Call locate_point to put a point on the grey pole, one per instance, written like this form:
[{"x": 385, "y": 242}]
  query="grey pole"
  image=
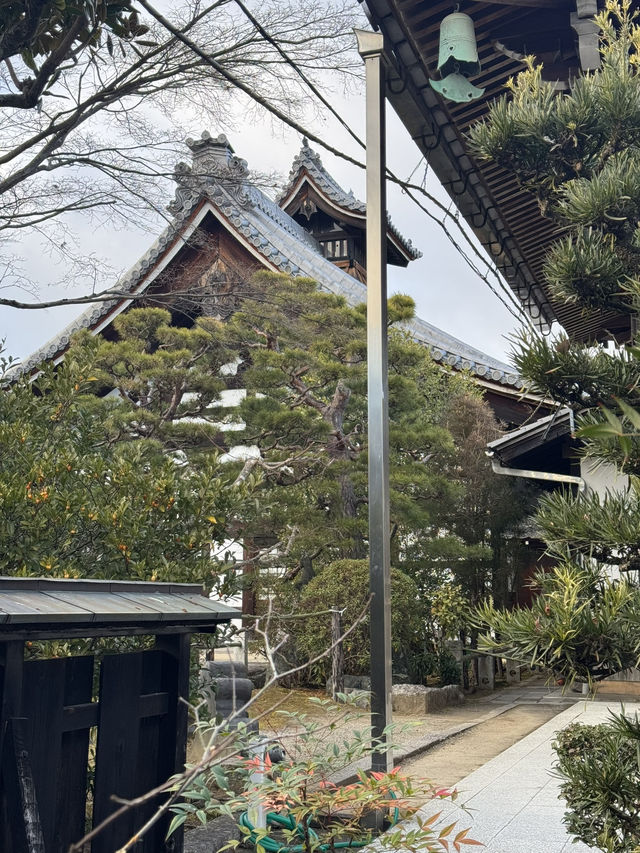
[{"x": 371, "y": 48}]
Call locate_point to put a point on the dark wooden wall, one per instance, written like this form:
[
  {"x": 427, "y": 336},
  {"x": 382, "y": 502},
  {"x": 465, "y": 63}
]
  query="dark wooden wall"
[{"x": 86, "y": 730}]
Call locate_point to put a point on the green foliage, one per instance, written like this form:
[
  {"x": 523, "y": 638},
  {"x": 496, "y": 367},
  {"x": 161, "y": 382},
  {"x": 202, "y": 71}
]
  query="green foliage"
[
  {"x": 169, "y": 375},
  {"x": 306, "y": 810},
  {"x": 599, "y": 767},
  {"x": 478, "y": 547},
  {"x": 450, "y": 610},
  {"x": 301, "y": 355},
  {"x": 448, "y": 668},
  {"x": 579, "y": 154},
  {"x": 344, "y": 584},
  {"x": 589, "y": 527},
  {"x": 304, "y": 369},
  {"x": 580, "y": 625},
  {"x": 76, "y": 503},
  {"x": 34, "y": 30},
  {"x": 576, "y": 375}
]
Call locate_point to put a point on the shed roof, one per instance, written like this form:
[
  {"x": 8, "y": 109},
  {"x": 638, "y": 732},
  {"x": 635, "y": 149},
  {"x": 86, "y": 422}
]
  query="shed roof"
[
  {"x": 60, "y": 607},
  {"x": 532, "y": 437}
]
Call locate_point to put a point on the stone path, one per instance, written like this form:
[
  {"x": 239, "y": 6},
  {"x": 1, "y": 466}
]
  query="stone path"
[
  {"x": 418, "y": 734},
  {"x": 514, "y": 797},
  {"x": 533, "y": 691}
]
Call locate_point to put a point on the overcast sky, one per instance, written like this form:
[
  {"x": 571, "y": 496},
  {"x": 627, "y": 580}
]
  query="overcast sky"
[{"x": 447, "y": 293}]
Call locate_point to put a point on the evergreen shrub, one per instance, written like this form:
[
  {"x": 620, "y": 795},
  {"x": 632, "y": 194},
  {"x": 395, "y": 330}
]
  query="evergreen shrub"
[
  {"x": 599, "y": 767},
  {"x": 344, "y": 584}
]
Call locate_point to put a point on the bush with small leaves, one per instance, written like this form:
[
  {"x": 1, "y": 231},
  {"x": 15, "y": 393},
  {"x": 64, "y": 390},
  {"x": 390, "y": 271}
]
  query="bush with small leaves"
[
  {"x": 599, "y": 768},
  {"x": 306, "y": 811}
]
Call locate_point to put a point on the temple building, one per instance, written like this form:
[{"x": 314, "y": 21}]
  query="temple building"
[
  {"x": 225, "y": 228},
  {"x": 506, "y": 219}
]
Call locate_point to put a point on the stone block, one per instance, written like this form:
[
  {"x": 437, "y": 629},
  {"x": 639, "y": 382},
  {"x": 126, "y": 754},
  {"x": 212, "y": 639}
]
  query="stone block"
[
  {"x": 227, "y": 696},
  {"x": 258, "y": 672},
  {"x": 486, "y": 672},
  {"x": 512, "y": 671},
  {"x": 409, "y": 698},
  {"x": 224, "y": 669},
  {"x": 412, "y": 699}
]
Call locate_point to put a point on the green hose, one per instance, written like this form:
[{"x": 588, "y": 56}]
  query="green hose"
[{"x": 287, "y": 822}]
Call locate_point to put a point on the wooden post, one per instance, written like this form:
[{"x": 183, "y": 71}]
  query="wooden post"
[
  {"x": 176, "y": 722},
  {"x": 337, "y": 655},
  {"x": 12, "y": 664}
]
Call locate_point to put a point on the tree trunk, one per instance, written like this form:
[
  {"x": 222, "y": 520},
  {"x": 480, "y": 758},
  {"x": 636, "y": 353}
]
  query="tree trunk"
[
  {"x": 358, "y": 550},
  {"x": 337, "y": 655}
]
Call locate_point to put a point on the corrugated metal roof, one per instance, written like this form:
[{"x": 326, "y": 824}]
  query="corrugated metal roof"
[{"x": 37, "y": 601}]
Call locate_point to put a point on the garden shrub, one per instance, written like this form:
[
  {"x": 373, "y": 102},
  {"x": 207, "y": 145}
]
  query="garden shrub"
[
  {"x": 599, "y": 767},
  {"x": 448, "y": 669},
  {"x": 345, "y": 584}
]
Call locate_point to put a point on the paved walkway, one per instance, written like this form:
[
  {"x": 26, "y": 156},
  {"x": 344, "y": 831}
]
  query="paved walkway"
[
  {"x": 533, "y": 691},
  {"x": 514, "y": 797}
]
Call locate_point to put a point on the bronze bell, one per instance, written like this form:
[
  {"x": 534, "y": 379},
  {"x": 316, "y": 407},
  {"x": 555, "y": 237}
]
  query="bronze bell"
[{"x": 457, "y": 59}]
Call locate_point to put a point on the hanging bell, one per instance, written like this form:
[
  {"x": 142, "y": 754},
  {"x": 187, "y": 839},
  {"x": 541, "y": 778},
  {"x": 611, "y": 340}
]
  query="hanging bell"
[{"x": 457, "y": 59}]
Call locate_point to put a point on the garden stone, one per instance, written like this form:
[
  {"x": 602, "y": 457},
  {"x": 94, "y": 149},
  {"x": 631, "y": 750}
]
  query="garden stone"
[
  {"x": 225, "y": 669},
  {"x": 409, "y": 698},
  {"x": 213, "y": 836},
  {"x": 512, "y": 671},
  {"x": 225, "y": 694},
  {"x": 258, "y": 673},
  {"x": 486, "y": 672},
  {"x": 412, "y": 699}
]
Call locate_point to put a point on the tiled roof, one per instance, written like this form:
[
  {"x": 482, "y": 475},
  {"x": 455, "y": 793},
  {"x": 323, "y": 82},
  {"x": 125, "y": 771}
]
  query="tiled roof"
[
  {"x": 218, "y": 182},
  {"x": 309, "y": 160}
]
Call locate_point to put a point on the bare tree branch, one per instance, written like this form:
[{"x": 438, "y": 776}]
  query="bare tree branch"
[{"x": 214, "y": 752}]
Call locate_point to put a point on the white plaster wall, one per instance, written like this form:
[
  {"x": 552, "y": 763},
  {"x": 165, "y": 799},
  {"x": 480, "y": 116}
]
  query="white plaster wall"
[{"x": 602, "y": 477}]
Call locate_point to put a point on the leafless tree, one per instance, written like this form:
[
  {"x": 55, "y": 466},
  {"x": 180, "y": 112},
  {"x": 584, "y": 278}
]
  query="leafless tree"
[{"x": 93, "y": 109}]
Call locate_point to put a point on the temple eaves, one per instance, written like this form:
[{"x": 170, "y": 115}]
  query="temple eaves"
[
  {"x": 504, "y": 217},
  {"x": 217, "y": 187}
]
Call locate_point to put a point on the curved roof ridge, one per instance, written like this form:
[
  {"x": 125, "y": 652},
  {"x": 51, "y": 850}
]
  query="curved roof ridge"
[
  {"x": 127, "y": 283},
  {"x": 310, "y": 160}
]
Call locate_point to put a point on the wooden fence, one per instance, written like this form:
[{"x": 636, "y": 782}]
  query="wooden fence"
[{"x": 87, "y": 729}]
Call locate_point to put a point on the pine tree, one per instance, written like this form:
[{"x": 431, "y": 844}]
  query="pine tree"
[
  {"x": 579, "y": 153},
  {"x": 166, "y": 377},
  {"x": 304, "y": 368},
  {"x": 294, "y": 358}
]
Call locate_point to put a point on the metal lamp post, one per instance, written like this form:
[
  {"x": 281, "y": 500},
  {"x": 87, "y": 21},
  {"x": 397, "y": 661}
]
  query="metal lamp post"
[{"x": 371, "y": 48}]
